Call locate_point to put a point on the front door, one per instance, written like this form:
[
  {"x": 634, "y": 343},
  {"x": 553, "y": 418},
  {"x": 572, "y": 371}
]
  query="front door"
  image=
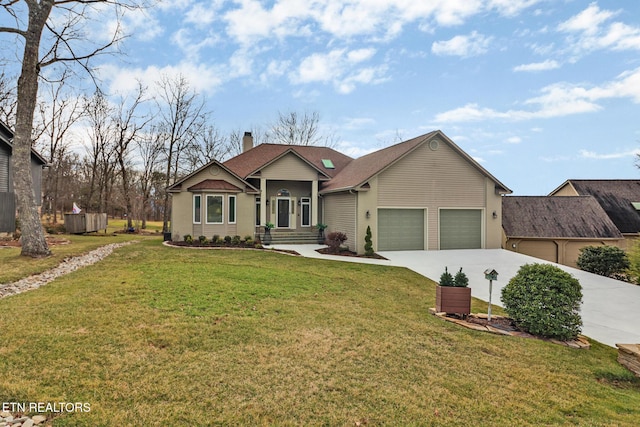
[{"x": 283, "y": 213}]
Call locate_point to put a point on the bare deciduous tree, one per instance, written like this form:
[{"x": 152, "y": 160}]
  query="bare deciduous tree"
[
  {"x": 56, "y": 115},
  {"x": 7, "y": 99},
  {"x": 149, "y": 150},
  {"x": 127, "y": 128},
  {"x": 181, "y": 121},
  {"x": 65, "y": 43},
  {"x": 299, "y": 129}
]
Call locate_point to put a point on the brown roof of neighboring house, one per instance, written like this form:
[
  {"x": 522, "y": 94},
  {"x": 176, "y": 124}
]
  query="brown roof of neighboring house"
[
  {"x": 556, "y": 217},
  {"x": 615, "y": 196},
  {"x": 258, "y": 157},
  {"x": 215, "y": 184},
  {"x": 360, "y": 170}
]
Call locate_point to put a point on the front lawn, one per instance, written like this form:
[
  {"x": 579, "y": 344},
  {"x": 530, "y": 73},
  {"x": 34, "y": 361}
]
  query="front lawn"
[{"x": 166, "y": 336}]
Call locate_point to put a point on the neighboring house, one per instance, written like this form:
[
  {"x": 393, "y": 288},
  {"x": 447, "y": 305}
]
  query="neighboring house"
[
  {"x": 556, "y": 228},
  {"x": 7, "y": 196},
  {"x": 424, "y": 193},
  {"x": 620, "y": 199}
]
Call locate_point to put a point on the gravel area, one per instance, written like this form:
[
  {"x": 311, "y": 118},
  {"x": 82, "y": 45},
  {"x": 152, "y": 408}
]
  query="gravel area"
[{"x": 66, "y": 266}]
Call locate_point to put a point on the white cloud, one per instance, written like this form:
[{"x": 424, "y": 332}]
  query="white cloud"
[
  {"x": 201, "y": 78},
  {"x": 252, "y": 21},
  {"x": 340, "y": 67},
  {"x": 549, "y": 64},
  {"x": 353, "y": 123},
  {"x": 609, "y": 156},
  {"x": 557, "y": 100},
  {"x": 173, "y": 4},
  {"x": 512, "y": 7},
  {"x": 473, "y": 44},
  {"x": 203, "y": 15},
  {"x": 275, "y": 69},
  {"x": 191, "y": 45},
  {"x": 591, "y": 30},
  {"x": 514, "y": 140},
  {"x": 588, "y": 21}
]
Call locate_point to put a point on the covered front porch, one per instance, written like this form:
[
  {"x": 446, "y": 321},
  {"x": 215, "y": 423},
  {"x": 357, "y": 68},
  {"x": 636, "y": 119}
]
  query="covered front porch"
[{"x": 291, "y": 206}]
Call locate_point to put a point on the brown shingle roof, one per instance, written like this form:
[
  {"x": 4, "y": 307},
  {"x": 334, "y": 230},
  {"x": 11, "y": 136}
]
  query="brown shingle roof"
[
  {"x": 215, "y": 184},
  {"x": 363, "y": 168},
  {"x": 556, "y": 217},
  {"x": 262, "y": 155},
  {"x": 616, "y": 197}
]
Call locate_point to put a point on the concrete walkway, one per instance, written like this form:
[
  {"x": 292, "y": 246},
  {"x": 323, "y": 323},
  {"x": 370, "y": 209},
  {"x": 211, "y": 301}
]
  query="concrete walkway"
[{"x": 610, "y": 308}]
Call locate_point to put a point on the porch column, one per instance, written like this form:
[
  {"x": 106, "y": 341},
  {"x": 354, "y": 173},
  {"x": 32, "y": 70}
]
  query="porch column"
[
  {"x": 314, "y": 202},
  {"x": 263, "y": 201}
]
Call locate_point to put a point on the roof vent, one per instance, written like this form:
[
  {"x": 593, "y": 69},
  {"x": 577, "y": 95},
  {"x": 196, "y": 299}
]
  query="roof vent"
[{"x": 328, "y": 164}]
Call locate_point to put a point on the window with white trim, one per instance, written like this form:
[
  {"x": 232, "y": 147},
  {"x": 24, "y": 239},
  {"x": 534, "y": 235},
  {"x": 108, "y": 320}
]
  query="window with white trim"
[
  {"x": 197, "y": 209},
  {"x": 215, "y": 209},
  {"x": 232, "y": 210}
]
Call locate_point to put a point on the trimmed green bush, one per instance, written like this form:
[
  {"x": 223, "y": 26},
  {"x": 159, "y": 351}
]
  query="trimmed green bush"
[
  {"x": 188, "y": 238},
  {"x": 460, "y": 279},
  {"x": 368, "y": 243},
  {"x": 446, "y": 279},
  {"x": 606, "y": 261},
  {"x": 544, "y": 300}
]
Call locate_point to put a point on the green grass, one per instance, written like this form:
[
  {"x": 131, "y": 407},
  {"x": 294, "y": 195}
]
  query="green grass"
[
  {"x": 15, "y": 266},
  {"x": 164, "y": 336}
]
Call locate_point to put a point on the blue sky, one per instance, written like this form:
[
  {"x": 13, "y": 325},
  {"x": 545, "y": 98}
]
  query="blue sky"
[{"x": 538, "y": 91}]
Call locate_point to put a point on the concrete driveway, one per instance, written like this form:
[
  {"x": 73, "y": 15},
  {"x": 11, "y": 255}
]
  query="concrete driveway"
[{"x": 610, "y": 308}]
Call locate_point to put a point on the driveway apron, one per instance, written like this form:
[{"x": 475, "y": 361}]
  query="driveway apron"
[{"x": 610, "y": 308}]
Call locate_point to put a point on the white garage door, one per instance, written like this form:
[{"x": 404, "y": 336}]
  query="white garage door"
[
  {"x": 460, "y": 229},
  {"x": 400, "y": 229}
]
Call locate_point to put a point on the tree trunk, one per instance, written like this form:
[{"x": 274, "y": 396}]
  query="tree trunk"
[{"x": 34, "y": 243}]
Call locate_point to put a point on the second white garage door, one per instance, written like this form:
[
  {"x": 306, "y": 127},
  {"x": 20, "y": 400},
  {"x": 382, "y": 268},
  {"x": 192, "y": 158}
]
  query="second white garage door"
[{"x": 400, "y": 229}]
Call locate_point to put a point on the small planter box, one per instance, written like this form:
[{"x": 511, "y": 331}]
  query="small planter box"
[
  {"x": 629, "y": 356},
  {"x": 452, "y": 299}
]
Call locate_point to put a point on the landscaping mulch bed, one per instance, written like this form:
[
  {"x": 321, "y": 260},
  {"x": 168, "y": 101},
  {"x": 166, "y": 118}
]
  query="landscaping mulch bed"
[
  {"x": 51, "y": 241},
  {"x": 345, "y": 252},
  {"x": 241, "y": 245},
  {"x": 502, "y": 325}
]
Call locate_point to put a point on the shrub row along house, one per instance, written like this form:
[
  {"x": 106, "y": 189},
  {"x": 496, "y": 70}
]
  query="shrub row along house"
[
  {"x": 423, "y": 193},
  {"x": 7, "y": 195},
  {"x": 577, "y": 214}
]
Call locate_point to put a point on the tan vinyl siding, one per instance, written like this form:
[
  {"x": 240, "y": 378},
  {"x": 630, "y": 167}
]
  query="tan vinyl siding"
[
  {"x": 566, "y": 190},
  {"x": 432, "y": 179},
  {"x": 340, "y": 215},
  {"x": 182, "y": 209},
  {"x": 290, "y": 167},
  {"x": 543, "y": 249}
]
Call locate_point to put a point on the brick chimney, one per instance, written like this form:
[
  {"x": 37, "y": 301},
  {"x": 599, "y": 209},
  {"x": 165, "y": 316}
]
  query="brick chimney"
[{"x": 247, "y": 142}]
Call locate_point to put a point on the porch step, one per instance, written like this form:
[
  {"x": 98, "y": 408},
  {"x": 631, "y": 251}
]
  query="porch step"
[{"x": 292, "y": 237}]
